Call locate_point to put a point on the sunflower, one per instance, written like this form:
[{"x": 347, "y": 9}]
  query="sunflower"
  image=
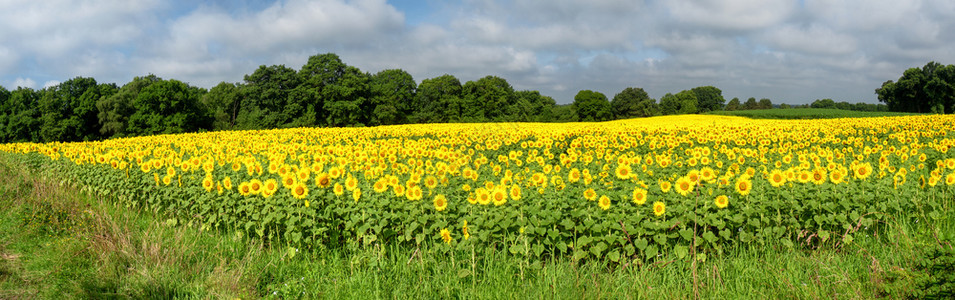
[
  {"x": 836, "y": 176},
  {"x": 431, "y": 182},
  {"x": 623, "y": 172},
  {"x": 446, "y": 236},
  {"x": 693, "y": 176},
  {"x": 356, "y": 194},
  {"x": 744, "y": 185},
  {"x": 208, "y": 183},
  {"x": 659, "y": 208},
  {"x": 351, "y": 183},
  {"x": 499, "y": 196},
  {"x": 819, "y": 176},
  {"x": 573, "y": 176},
  {"x": 322, "y": 180},
  {"x": 862, "y": 171},
  {"x": 590, "y": 194},
  {"x": 270, "y": 187},
  {"x": 950, "y": 179},
  {"x": 777, "y": 178},
  {"x": 515, "y": 192},
  {"x": 721, "y": 201},
  {"x": 639, "y": 196},
  {"x": 299, "y": 191},
  {"x": 170, "y": 171},
  {"x": 255, "y": 186},
  {"x": 399, "y": 190},
  {"x": 465, "y": 231},
  {"x": 440, "y": 202},
  {"x": 380, "y": 186},
  {"x": 414, "y": 193},
  {"x": 804, "y": 176},
  {"x": 707, "y": 174},
  {"x": 483, "y": 197},
  {"x": 244, "y": 189},
  {"x": 665, "y": 186},
  {"x": 604, "y": 202},
  {"x": 227, "y": 183},
  {"x": 338, "y": 189},
  {"x": 684, "y": 185}
]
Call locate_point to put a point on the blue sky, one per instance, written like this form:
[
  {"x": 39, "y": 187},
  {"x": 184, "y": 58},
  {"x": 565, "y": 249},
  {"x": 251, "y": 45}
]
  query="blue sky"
[{"x": 791, "y": 51}]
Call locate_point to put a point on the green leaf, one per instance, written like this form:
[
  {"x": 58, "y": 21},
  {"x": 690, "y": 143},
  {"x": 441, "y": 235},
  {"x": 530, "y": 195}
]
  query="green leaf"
[
  {"x": 686, "y": 234},
  {"x": 598, "y": 249},
  {"x": 660, "y": 239},
  {"x": 824, "y": 235},
  {"x": 641, "y": 243},
  {"x": 463, "y": 273},
  {"x": 614, "y": 255},
  {"x": 681, "y": 251},
  {"x": 709, "y": 237}
]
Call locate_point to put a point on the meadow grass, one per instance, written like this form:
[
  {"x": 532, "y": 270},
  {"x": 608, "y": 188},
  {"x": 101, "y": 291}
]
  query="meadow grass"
[
  {"x": 60, "y": 243},
  {"x": 806, "y": 113}
]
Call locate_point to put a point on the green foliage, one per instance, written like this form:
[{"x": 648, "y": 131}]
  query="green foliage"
[
  {"x": 764, "y": 104},
  {"x": 750, "y": 104},
  {"x": 265, "y": 98},
  {"x": 683, "y": 102},
  {"x": 20, "y": 119},
  {"x": 708, "y": 98},
  {"x": 392, "y": 93},
  {"x": 733, "y": 105},
  {"x": 592, "y": 106},
  {"x": 929, "y": 89},
  {"x": 168, "y": 106},
  {"x": 633, "y": 102},
  {"x": 69, "y": 110},
  {"x": 806, "y": 113},
  {"x": 438, "y": 100},
  {"x": 223, "y": 101}
]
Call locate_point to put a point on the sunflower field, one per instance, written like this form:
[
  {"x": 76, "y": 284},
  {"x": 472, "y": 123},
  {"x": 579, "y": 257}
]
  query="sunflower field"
[{"x": 629, "y": 189}]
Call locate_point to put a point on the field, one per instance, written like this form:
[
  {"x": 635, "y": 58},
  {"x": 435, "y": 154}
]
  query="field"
[
  {"x": 697, "y": 203},
  {"x": 807, "y": 113}
]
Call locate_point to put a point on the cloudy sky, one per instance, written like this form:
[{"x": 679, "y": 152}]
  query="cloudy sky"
[{"x": 791, "y": 51}]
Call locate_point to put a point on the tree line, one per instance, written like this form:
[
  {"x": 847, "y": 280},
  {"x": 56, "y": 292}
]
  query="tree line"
[
  {"x": 930, "y": 89},
  {"x": 325, "y": 92}
]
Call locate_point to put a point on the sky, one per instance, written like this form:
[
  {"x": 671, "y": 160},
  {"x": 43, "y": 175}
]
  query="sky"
[{"x": 790, "y": 51}]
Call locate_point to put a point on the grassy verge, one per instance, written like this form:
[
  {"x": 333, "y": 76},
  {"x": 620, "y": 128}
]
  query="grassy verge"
[
  {"x": 60, "y": 243},
  {"x": 807, "y": 113}
]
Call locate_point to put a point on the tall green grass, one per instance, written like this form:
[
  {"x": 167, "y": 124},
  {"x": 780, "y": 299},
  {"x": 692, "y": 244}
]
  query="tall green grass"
[
  {"x": 806, "y": 113},
  {"x": 60, "y": 243}
]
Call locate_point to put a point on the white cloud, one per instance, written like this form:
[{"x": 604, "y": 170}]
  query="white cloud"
[
  {"x": 733, "y": 14},
  {"x": 24, "y": 82},
  {"x": 814, "y": 39}
]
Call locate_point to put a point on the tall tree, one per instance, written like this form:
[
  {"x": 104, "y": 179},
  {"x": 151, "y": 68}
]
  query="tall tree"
[
  {"x": 265, "y": 95},
  {"x": 392, "y": 93},
  {"x": 168, "y": 106},
  {"x": 750, "y": 104},
  {"x": 632, "y": 102},
  {"x": 487, "y": 98},
  {"x": 592, "y": 106},
  {"x": 69, "y": 110},
  {"x": 23, "y": 118},
  {"x": 115, "y": 110},
  {"x": 733, "y": 104},
  {"x": 764, "y": 103},
  {"x": 709, "y": 98},
  {"x": 438, "y": 100},
  {"x": 683, "y": 102},
  {"x": 534, "y": 107},
  {"x": 223, "y": 102}
]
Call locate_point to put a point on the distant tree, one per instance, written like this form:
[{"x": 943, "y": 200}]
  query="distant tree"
[
  {"x": 438, "y": 100},
  {"x": 168, "y": 106},
  {"x": 823, "y": 103},
  {"x": 683, "y": 102},
  {"x": 223, "y": 102},
  {"x": 392, "y": 93},
  {"x": 764, "y": 104},
  {"x": 930, "y": 89},
  {"x": 709, "y": 98},
  {"x": 345, "y": 99},
  {"x": 69, "y": 110},
  {"x": 592, "y": 106},
  {"x": 532, "y": 106},
  {"x": 22, "y": 116},
  {"x": 843, "y": 105},
  {"x": 627, "y": 103},
  {"x": 265, "y": 95},
  {"x": 115, "y": 110},
  {"x": 564, "y": 113},
  {"x": 784, "y": 106},
  {"x": 733, "y": 105},
  {"x": 750, "y": 104},
  {"x": 487, "y": 98}
]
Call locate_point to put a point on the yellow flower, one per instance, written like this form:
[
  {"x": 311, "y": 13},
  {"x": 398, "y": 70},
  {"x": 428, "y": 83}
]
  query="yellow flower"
[
  {"x": 743, "y": 186},
  {"x": 446, "y": 236},
  {"x": 515, "y": 192},
  {"x": 338, "y": 189},
  {"x": 208, "y": 183},
  {"x": 604, "y": 202},
  {"x": 665, "y": 186},
  {"x": 483, "y": 197},
  {"x": 777, "y": 178},
  {"x": 818, "y": 176},
  {"x": 684, "y": 185},
  {"x": 623, "y": 172},
  {"x": 351, "y": 183},
  {"x": 590, "y": 194},
  {"x": 322, "y": 180},
  {"x": 862, "y": 171},
  {"x": 722, "y": 201},
  {"x": 499, "y": 196},
  {"x": 465, "y": 231},
  {"x": 356, "y": 194},
  {"x": 299, "y": 191},
  {"x": 227, "y": 183},
  {"x": 659, "y": 208},
  {"x": 255, "y": 186},
  {"x": 639, "y": 196},
  {"x": 440, "y": 202}
]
